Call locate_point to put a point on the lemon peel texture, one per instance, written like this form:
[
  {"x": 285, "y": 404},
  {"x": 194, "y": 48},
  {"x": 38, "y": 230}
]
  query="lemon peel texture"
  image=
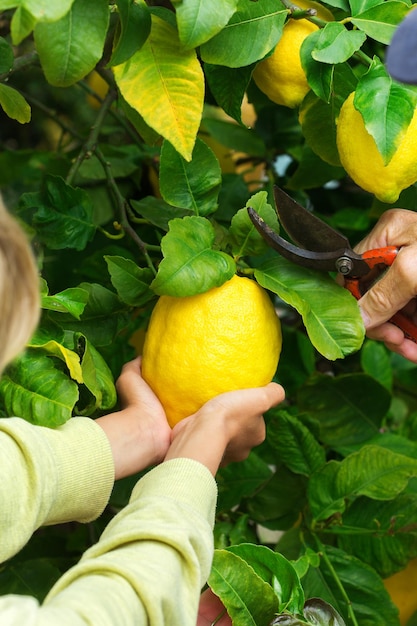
[{"x": 197, "y": 347}]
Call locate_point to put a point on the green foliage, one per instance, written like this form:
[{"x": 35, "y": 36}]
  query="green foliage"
[{"x": 128, "y": 157}]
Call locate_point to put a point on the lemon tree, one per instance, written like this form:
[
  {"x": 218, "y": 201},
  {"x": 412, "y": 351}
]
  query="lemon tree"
[{"x": 134, "y": 137}]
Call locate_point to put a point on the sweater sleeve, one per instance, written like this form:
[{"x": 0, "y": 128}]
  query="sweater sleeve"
[
  {"x": 50, "y": 476},
  {"x": 150, "y": 563}
]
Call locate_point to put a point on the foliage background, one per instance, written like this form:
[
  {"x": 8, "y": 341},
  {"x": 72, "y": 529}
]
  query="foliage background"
[{"x": 129, "y": 159}]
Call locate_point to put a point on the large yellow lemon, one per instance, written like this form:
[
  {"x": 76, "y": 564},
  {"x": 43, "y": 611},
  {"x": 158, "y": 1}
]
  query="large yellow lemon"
[
  {"x": 402, "y": 589},
  {"x": 361, "y": 159},
  {"x": 197, "y": 347},
  {"x": 281, "y": 76}
]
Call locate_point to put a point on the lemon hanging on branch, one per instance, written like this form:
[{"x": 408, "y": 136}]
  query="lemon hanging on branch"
[
  {"x": 281, "y": 76},
  {"x": 363, "y": 162},
  {"x": 197, "y": 347},
  {"x": 402, "y": 589}
]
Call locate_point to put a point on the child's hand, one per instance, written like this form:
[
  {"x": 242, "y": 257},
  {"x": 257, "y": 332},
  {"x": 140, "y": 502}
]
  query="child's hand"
[
  {"x": 139, "y": 434},
  {"x": 226, "y": 428},
  {"x": 210, "y": 609}
]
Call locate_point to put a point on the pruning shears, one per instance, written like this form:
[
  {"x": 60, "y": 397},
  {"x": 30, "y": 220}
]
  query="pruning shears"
[{"x": 319, "y": 246}]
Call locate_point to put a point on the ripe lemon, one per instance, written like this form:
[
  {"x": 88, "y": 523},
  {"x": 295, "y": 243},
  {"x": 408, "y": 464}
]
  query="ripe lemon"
[
  {"x": 197, "y": 347},
  {"x": 361, "y": 159},
  {"x": 402, "y": 589},
  {"x": 281, "y": 76}
]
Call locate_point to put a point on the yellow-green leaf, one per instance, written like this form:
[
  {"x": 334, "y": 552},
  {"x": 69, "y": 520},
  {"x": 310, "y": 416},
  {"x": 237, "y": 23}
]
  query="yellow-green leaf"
[
  {"x": 165, "y": 84},
  {"x": 14, "y": 104},
  {"x": 70, "y": 358}
]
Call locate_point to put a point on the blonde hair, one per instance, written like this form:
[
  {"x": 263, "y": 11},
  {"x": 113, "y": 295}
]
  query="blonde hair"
[{"x": 19, "y": 289}]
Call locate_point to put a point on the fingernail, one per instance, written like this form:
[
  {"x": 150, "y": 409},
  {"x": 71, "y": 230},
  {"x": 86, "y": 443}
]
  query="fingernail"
[{"x": 365, "y": 317}]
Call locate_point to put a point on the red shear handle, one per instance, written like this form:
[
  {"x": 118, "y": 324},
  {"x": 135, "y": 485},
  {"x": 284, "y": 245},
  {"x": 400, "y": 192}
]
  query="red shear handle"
[
  {"x": 377, "y": 260},
  {"x": 406, "y": 325},
  {"x": 380, "y": 256}
]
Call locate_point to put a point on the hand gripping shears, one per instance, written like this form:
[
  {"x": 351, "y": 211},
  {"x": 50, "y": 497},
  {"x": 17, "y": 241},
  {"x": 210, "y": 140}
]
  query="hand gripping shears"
[{"x": 319, "y": 246}]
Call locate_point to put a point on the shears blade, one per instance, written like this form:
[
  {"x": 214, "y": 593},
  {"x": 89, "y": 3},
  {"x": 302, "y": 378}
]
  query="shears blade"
[
  {"x": 304, "y": 228},
  {"x": 324, "y": 261},
  {"x": 320, "y": 247}
]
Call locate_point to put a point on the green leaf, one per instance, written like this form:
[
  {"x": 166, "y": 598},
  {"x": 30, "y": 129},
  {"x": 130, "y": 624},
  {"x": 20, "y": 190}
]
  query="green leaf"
[
  {"x": 317, "y": 115},
  {"x": 123, "y": 161},
  {"x": 35, "y": 390},
  {"x": 363, "y": 593},
  {"x": 382, "y": 534},
  {"x": 239, "y": 587},
  {"x": 8, "y": 4},
  {"x": 190, "y": 185},
  {"x": 386, "y": 106},
  {"x": 250, "y": 34},
  {"x": 372, "y": 471},
  {"x": 276, "y": 570},
  {"x": 333, "y": 322},
  {"x": 200, "y": 20},
  {"x": 319, "y": 128},
  {"x": 98, "y": 379},
  {"x": 71, "y": 300},
  {"x": 240, "y": 480},
  {"x": 157, "y": 211},
  {"x": 14, "y": 104},
  {"x": 278, "y": 503},
  {"x": 102, "y": 319},
  {"x": 319, "y": 75},
  {"x": 134, "y": 29},
  {"x": 70, "y": 47},
  {"x": 345, "y": 418},
  {"x": 149, "y": 135},
  {"x": 22, "y": 25},
  {"x": 235, "y": 137},
  {"x": 6, "y": 56},
  {"x": 295, "y": 444},
  {"x": 130, "y": 281},
  {"x": 165, "y": 84},
  {"x": 69, "y": 357},
  {"x": 34, "y": 576},
  {"x": 190, "y": 265},
  {"x": 62, "y": 215},
  {"x": 380, "y": 21},
  {"x": 46, "y": 11},
  {"x": 359, "y": 6},
  {"x": 375, "y": 361},
  {"x": 246, "y": 240},
  {"x": 336, "y": 44},
  {"x": 228, "y": 87}
]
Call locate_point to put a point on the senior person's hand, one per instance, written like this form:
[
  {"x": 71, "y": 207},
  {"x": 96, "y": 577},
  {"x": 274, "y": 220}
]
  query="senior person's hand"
[{"x": 396, "y": 290}]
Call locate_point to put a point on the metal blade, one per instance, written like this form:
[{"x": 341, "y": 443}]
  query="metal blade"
[
  {"x": 343, "y": 260},
  {"x": 304, "y": 228}
]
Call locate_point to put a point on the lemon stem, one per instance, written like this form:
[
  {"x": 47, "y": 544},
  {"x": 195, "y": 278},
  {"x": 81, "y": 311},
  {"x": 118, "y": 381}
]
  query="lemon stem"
[
  {"x": 322, "y": 553},
  {"x": 363, "y": 58},
  {"x": 296, "y": 13},
  {"x": 246, "y": 271}
]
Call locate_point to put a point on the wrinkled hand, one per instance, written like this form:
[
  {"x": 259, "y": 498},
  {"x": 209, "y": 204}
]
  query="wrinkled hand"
[
  {"x": 226, "y": 428},
  {"x": 210, "y": 609},
  {"x": 397, "y": 288},
  {"x": 139, "y": 433}
]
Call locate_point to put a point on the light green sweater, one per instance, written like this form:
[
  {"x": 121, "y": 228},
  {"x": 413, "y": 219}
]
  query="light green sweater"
[{"x": 152, "y": 559}]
